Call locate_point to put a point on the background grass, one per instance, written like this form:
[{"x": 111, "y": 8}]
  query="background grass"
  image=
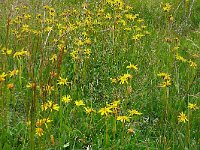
[{"x": 89, "y": 75}]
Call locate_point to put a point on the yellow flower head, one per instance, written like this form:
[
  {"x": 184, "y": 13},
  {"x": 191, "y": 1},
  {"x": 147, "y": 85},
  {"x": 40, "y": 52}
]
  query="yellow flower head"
[
  {"x": 182, "y": 117},
  {"x": 123, "y": 118},
  {"x": 63, "y": 81},
  {"x": 89, "y": 110},
  {"x": 66, "y": 99},
  {"x": 166, "y": 83},
  {"x": 13, "y": 73},
  {"x": 134, "y": 112},
  {"x": 178, "y": 57},
  {"x": 2, "y": 76},
  {"x": 167, "y": 7},
  {"x": 192, "y": 64},
  {"x": 39, "y": 132},
  {"x": 192, "y": 106},
  {"x": 105, "y": 111},
  {"x": 53, "y": 106},
  {"x": 124, "y": 79},
  {"x": 131, "y": 66},
  {"x": 10, "y": 86},
  {"x": 79, "y": 103}
]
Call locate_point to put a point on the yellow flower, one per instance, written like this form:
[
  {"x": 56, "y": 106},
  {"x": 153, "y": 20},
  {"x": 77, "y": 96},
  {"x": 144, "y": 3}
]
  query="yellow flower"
[
  {"x": 105, "y": 111},
  {"x": 89, "y": 110},
  {"x": 63, "y": 81},
  {"x": 134, "y": 112},
  {"x": 53, "y": 58},
  {"x": 165, "y": 76},
  {"x": 124, "y": 79},
  {"x": 131, "y": 66},
  {"x": 136, "y": 37},
  {"x": 53, "y": 106},
  {"x": 44, "y": 106},
  {"x": 6, "y": 51},
  {"x": 123, "y": 118},
  {"x": 182, "y": 117},
  {"x": 66, "y": 99},
  {"x": 10, "y": 86},
  {"x": 87, "y": 52},
  {"x": 192, "y": 106},
  {"x": 2, "y": 76},
  {"x": 79, "y": 103},
  {"x": 88, "y": 41},
  {"x": 166, "y": 83},
  {"x": 39, "y": 123},
  {"x": 167, "y": 7},
  {"x": 178, "y": 57},
  {"x": 13, "y": 73},
  {"x": 50, "y": 105},
  {"x": 39, "y": 131},
  {"x": 32, "y": 86},
  {"x": 192, "y": 64},
  {"x": 48, "y": 88},
  {"x": 21, "y": 53},
  {"x": 48, "y": 29}
]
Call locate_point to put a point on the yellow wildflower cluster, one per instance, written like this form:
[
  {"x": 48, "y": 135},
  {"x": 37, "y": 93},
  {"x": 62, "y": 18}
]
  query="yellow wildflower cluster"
[
  {"x": 50, "y": 105},
  {"x": 11, "y": 74},
  {"x": 114, "y": 108},
  {"x": 167, "y": 79},
  {"x": 20, "y": 54},
  {"x": 190, "y": 62}
]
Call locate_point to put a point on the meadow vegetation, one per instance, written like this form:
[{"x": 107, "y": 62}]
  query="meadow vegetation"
[{"x": 107, "y": 74}]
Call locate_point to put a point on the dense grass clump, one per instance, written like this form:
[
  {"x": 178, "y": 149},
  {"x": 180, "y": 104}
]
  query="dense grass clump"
[{"x": 108, "y": 74}]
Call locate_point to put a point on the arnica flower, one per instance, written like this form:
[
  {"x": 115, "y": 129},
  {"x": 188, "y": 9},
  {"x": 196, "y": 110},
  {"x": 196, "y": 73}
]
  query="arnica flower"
[
  {"x": 124, "y": 79},
  {"x": 192, "y": 106},
  {"x": 53, "y": 58},
  {"x": 89, "y": 110},
  {"x": 178, "y": 57},
  {"x": 43, "y": 121},
  {"x": 114, "y": 106},
  {"x": 44, "y": 106},
  {"x": 32, "y": 86},
  {"x": 192, "y": 64},
  {"x": 63, "y": 81},
  {"x": 48, "y": 88},
  {"x": 21, "y": 54},
  {"x": 165, "y": 76},
  {"x": 123, "y": 119},
  {"x": 13, "y": 73},
  {"x": 2, "y": 77},
  {"x": 105, "y": 111},
  {"x": 10, "y": 86},
  {"x": 39, "y": 132},
  {"x": 131, "y": 66},
  {"x": 53, "y": 106},
  {"x": 167, "y": 7},
  {"x": 6, "y": 51},
  {"x": 79, "y": 103},
  {"x": 182, "y": 117},
  {"x": 134, "y": 112},
  {"x": 166, "y": 83},
  {"x": 66, "y": 99}
]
